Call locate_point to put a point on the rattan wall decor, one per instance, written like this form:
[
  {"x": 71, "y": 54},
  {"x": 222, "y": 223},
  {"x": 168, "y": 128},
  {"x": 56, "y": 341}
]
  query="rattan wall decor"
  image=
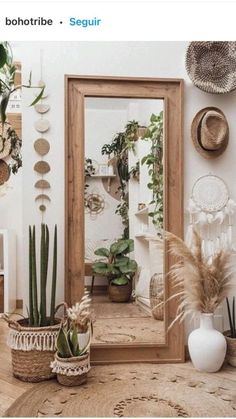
[{"x": 42, "y": 147}]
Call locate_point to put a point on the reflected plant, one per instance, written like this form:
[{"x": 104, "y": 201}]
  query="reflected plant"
[{"x": 154, "y": 162}]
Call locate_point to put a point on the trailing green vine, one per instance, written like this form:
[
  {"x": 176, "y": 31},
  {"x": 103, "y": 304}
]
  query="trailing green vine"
[
  {"x": 122, "y": 143},
  {"x": 154, "y": 162}
]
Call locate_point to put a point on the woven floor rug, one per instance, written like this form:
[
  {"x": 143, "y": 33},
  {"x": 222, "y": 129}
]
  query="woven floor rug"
[{"x": 134, "y": 390}]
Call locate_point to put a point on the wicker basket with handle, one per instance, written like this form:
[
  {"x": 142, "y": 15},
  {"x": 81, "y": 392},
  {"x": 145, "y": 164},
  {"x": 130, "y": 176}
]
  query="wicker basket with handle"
[
  {"x": 32, "y": 348},
  {"x": 71, "y": 371}
]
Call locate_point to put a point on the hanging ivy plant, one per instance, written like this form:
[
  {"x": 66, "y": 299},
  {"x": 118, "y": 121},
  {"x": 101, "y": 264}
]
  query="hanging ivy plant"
[
  {"x": 154, "y": 162},
  {"x": 122, "y": 143}
]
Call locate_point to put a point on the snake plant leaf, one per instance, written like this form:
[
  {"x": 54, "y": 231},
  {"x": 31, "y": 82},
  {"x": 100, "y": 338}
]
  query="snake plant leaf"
[
  {"x": 102, "y": 252},
  {"x": 62, "y": 344},
  {"x": 73, "y": 341},
  {"x": 3, "y": 106},
  {"x": 120, "y": 281}
]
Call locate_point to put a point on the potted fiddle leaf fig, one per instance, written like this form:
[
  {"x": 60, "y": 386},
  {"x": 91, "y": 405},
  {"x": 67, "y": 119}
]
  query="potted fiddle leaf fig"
[
  {"x": 71, "y": 362},
  {"x": 230, "y": 335},
  {"x": 118, "y": 267}
]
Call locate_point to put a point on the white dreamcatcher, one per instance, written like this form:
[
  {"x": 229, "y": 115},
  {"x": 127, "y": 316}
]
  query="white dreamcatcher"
[{"x": 211, "y": 213}]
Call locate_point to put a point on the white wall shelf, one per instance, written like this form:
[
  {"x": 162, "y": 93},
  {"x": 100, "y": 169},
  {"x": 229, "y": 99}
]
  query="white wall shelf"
[
  {"x": 8, "y": 268},
  {"x": 102, "y": 176}
]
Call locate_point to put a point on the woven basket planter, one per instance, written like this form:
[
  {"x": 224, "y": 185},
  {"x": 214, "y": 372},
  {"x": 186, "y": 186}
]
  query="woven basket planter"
[
  {"x": 71, "y": 371},
  {"x": 231, "y": 349},
  {"x": 32, "y": 349},
  {"x": 156, "y": 293}
]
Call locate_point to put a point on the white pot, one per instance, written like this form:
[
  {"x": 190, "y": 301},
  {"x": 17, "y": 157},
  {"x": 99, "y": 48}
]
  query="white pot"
[
  {"x": 207, "y": 346},
  {"x": 83, "y": 339}
]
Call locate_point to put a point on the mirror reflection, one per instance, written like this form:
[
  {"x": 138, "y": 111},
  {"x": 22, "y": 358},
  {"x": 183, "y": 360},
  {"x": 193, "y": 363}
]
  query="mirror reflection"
[{"x": 124, "y": 213}]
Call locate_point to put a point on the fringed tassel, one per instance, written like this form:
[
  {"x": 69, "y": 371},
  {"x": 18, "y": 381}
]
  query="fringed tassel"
[
  {"x": 28, "y": 341},
  {"x": 70, "y": 370}
]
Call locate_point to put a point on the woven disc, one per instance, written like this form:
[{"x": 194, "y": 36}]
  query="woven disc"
[
  {"x": 43, "y": 196},
  {"x": 42, "y": 208},
  {"x": 42, "y": 167},
  {"x": 4, "y": 172},
  {"x": 41, "y": 108},
  {"x": 42, "y": 146},
  {"x": 42, "y": 125},
  {"x": 42, "y": 184},
  {"x": 134, "y": 390}
]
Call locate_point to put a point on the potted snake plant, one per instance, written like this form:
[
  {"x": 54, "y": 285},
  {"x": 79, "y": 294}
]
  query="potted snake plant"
[
  {"x": 118, "y": 267},
  {"x": 32, "y": 340},
  {"x": 71, "y": 363}
]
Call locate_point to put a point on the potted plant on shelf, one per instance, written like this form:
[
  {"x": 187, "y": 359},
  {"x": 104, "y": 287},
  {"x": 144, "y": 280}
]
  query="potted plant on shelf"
[
  {"x": 71, "y": 363},
  {"x": 230, "y": 335},
  {"x": 119, "y": 269},
  {"x": 32, "y": 340},
  {"x": 204, "y": 282}
]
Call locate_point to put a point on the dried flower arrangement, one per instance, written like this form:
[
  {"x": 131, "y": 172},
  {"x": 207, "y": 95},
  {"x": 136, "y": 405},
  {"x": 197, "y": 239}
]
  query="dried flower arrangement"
[
  {"x": 80, "y": 314},
  {"x": 204, "y": 282}
]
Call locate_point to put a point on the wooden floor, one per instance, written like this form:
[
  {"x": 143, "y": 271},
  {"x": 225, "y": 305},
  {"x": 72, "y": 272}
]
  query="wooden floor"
[{"x": 11, "y": 388}]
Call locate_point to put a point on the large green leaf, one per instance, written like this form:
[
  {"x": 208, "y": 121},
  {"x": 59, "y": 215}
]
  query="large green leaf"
[
  {"x": 130, "y": 247},
  {"x": 73, "y": 341},
  {"x": 120, "y": 281},
  {"x": 102, "y": 252},
  {"x": 130, "y": 267},
  {"x": 119, "y": 247},
  {"x": 62, "y": 345},
  {"x": 3, "y": 106},
  {"x": 121, "y": 260},
  {"x": 37, "y": 99},
  {"x": 101, "y": 268},
  {"x": 3, "y": 56}
]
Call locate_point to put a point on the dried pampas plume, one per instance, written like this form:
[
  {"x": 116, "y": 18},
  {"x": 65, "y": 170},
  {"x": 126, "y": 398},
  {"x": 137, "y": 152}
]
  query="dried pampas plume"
[{"x": 203, "y": 282}]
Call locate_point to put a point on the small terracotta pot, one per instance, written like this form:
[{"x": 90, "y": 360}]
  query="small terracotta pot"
[{"x": 231, "y": 349}]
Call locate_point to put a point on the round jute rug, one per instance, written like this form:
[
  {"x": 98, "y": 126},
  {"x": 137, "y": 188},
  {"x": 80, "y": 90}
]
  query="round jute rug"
[{"x": 134, "y": 390}]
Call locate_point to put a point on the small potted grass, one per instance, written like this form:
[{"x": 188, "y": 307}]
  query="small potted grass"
[
  {"x": 72, "y": 363},
  {"x": 230, "y": 335}
]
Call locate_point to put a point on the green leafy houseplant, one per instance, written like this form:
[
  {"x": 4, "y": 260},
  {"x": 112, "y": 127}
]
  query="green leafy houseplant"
[
  {"x": 79, "y": 315},
  {"x": 122, "y": 143},
  {"x": 154, "y": 162},
  {"x": 38, "y": 313},
  {"x": 118, "y": 267}
]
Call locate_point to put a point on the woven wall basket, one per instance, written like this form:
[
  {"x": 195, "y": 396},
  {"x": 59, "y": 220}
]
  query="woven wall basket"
[
  {"x": 71, "y": 371},
  {"x": 156, "y": 293},
  {"x": 32, "y": 349}
]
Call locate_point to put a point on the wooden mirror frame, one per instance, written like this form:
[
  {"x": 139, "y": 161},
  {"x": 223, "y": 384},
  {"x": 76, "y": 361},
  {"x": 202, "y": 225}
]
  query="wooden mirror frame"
[{"x": 77, "y": 88}]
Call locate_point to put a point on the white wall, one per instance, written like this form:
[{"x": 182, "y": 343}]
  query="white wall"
[{"x": 153, "y": 59}]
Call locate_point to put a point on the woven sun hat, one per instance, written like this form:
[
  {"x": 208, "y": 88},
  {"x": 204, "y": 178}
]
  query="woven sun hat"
[
  {"x": 212, "y": 66},
  {"x": 210, "y": 132}
]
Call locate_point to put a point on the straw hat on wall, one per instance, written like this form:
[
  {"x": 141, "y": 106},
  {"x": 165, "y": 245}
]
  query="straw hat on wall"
[
  {"x": 212, "y": 66},
  {"x": 210, "y": 132}
]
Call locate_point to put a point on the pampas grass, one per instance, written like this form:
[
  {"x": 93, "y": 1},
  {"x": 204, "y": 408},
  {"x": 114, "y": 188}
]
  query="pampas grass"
[{"x": 203, "y": 282}]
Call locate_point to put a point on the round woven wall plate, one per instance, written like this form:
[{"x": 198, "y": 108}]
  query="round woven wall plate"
[
  {"x": 42, "y": 167},
  {"x": 212, "y": 66},
  {"x": 42, "y": 184},
  {"x": 41, "y": 108},
  {"x": 41, "y": 146},
  {"x": 42, "y": 125},
  {"x": 43, "y": 197},
  {"x": 210, "y": 193},
  {"x": 4, "y": 172}
]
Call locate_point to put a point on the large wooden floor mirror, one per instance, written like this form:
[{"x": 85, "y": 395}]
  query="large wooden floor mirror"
[{"x": 124, "y": 185}]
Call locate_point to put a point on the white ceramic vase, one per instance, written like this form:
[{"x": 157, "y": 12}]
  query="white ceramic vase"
[{"x": 207, "y": 346}]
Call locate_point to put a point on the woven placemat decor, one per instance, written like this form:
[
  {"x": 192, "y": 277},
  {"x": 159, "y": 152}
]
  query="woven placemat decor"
[
  {"x": 4, "y": 172},
  {"x": 41, "y": 146},
  {"x": 134, "y": 390}
]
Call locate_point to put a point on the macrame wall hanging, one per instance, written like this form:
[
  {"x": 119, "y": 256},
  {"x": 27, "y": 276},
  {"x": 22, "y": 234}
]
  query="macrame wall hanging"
[
  {"x": 211, "y": 212},
  {"x": 42, "y": 146}
]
